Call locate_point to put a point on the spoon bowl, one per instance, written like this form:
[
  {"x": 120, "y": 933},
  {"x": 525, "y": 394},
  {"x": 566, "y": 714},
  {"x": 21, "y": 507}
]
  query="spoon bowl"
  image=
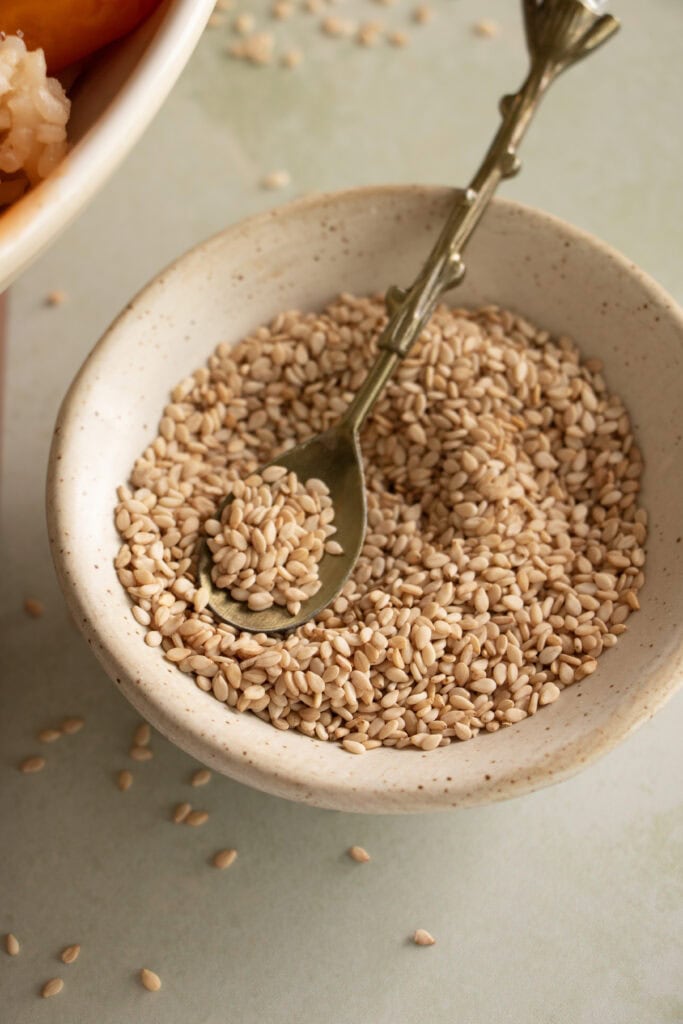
[{"x": 333, "y": 457}]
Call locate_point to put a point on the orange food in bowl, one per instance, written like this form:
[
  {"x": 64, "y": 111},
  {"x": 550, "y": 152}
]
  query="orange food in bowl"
[{"x": 68, "y": 30}]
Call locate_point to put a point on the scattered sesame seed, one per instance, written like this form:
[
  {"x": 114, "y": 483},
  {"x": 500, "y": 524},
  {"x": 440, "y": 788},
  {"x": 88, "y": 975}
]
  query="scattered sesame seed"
[
  {"x": 282, "y": 10},
  {"x": 224, "y": 859},
  {"x": 57, "y": 297},
  {"x": 276, "y": 180},
  {"x": 197, "y": 818},
  {"x": 49, "y": 735},
  {"x": 215, "y": 21},
  {"x": 12, "y": 945},
  {"x": 150, "y": 980},
  {"x": 142, "y": 735},
  {"x": 359, "y": 854},
  {"x": 244, "y": 24},
  {"x": 313, "y": 6},
  {"x": 181, "y": 812},
  {"x": 486, "y": 28},
  {"x": 368, "y": 33},
  {"x": 336, "y": 27},
  {"x": 423, "y": 938},
  {"x": 140, "y": 754},
  {"x": 31, "y": 765},
  {"x": 70, "y": 726},
  {"x": 292, "y": 58},
  {"x": 124, "y": 780},
  {"x": 398, "y": 38},
  {"x": 34, "y": 607},
  {"x": 70, "y": 954},
  {"x": 423, "y": 14},
  {"x": 52, "y": 988},
  {"x": 201, "y": 777}
]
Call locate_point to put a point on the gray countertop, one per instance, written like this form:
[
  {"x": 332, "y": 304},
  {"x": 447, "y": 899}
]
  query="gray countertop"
[{"x": 563, "y": 907}]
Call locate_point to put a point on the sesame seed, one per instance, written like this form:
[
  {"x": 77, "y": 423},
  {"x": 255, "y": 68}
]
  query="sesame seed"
[
  {"x": 423, "y": 14},
  {"x": 201, "y": 777},
  {"x": 244, "y": 24},
  {"x": 358, "y": 854},
  {"x": 398, "y": 38},
  {"x": 486, "y": 28},
  {"x": 224, "y": 859},
  {"x": 197, "y": 818},
  {"x": 49, "y": 735},
  {"x": 181, "y": 812},
  {"x": 31, "y": 765},
  {"x": 70, "y": 726},
  {"x": 124, "y": 780},
  {"x": 423, "y": 938},
  {"x": 150, "y": 980},
  {"x": 142, "y": 735},
  {"x": 282, "y": 10},
  {"x": 276, "y": 180},
  {"x": 70, "y": 954},
  {"x": 57, "y": 297},
  {"x": 292, "y": 58},
  {"x": 12, "y": 945},
  {"x": 140, "y": 754},
  {"x": 34, "y": 607},
  {"x": 52, "y": 988}
]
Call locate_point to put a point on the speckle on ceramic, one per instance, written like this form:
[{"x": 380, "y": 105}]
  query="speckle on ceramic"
[{"x": 301, "y": 255}]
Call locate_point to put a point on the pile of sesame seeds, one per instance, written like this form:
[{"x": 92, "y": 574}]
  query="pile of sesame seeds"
[
  {"x": 504, "y": 550},
  {"x": 268, "y": 543}
]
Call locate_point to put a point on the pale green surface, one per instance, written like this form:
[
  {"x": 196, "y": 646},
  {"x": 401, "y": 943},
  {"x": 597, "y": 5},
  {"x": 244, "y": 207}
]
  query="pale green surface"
[{"x": 560, "y": 908}]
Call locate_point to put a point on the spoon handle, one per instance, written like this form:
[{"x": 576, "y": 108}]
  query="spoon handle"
[{"x": 558, "y": 33}]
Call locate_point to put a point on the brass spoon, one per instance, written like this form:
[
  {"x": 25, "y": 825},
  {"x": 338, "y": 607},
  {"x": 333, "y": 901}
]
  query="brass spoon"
[{"x": 558, "y": 33}]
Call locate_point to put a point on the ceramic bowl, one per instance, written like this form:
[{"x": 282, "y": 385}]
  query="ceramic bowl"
[
  {"x": 113, "y": 101},
  {"x": 301, "y": 256}
]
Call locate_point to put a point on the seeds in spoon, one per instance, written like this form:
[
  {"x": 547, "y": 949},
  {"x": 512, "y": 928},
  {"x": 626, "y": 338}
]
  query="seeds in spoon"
[{"x": 270, "y": 539}]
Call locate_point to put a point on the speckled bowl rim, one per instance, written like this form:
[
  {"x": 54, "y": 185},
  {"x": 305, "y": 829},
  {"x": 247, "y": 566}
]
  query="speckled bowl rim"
[{"x": 263, "y": 768}]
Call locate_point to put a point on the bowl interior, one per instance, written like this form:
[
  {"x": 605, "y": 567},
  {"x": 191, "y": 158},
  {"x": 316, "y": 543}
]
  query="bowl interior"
[{"x": 301, "y": 256}]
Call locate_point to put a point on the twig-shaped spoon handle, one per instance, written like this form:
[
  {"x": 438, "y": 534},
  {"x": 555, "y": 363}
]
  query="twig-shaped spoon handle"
[{"x": 559, "y": 33}]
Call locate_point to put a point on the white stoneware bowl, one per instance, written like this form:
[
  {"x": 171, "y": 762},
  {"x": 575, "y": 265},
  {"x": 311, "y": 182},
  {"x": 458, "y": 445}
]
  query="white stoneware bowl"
[
  {"x": 113, "y": 102},
  {"x": 301, "y": 256}
]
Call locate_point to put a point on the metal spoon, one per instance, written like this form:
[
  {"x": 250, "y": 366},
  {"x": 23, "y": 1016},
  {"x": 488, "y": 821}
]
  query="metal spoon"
[{"x": 558, "y": 33}]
